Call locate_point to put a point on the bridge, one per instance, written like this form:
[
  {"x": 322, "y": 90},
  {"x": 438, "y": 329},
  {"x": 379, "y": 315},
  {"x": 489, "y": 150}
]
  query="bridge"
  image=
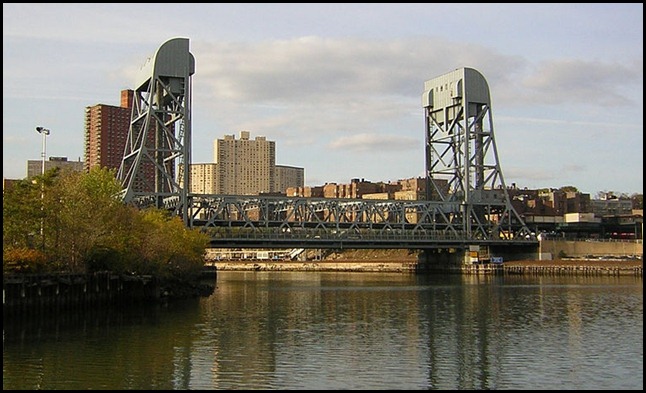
[{"x": 467, "y": 204}]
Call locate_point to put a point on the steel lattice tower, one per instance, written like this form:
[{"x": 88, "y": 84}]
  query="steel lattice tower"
[
  {"x": 461, "y": 158},
  {"x": 154, "y": 169}
]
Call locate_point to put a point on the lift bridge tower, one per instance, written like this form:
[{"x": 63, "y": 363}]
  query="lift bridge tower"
[
  {"x": 462, "y": 166},
  {"x": 154, "y": 170}
]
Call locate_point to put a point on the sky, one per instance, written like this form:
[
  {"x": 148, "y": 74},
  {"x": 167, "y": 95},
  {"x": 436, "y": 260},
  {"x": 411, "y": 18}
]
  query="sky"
[{"x": 338, "y": 86}]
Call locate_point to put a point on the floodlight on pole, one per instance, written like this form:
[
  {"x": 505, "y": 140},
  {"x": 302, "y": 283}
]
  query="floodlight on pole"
[{"x": 44, "y": 132}]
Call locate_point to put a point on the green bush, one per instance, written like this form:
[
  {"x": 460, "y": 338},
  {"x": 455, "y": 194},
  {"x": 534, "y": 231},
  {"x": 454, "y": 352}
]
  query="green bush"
[{"x": 86, "y": 228}]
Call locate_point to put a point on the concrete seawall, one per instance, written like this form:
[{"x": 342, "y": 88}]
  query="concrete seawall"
[
  {"x": 341, "y": 266},
  {"x": 553, "y": 249},
  {"x": 570, "y": 267},
  {"x": 593, "y": 257}
]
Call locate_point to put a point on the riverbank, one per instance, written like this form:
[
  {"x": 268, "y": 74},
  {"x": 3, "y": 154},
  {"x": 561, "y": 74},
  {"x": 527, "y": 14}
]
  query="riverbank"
[
  {"x": 54, "y": 291},
  {"x": 577, "y": 266},
  {"x": 385, "y": 262},
  {"x": 573, "y": 262}
]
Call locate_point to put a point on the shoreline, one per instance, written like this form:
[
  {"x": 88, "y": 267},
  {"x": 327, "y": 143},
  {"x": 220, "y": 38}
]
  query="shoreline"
[
  {"x": 575, "y": 266},
  {"x": 409, "y": 265},
  {"x": 601, "y": 263}
]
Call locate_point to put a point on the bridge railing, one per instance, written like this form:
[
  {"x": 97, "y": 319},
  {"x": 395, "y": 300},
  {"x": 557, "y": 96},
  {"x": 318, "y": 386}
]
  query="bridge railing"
[
  {"x": 297, "y": 221},
  {"x": 367, "y": 238}
]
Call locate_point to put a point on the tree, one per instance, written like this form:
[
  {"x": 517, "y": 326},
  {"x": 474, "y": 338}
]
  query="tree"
[
  {"x": 21, "y": 214},
  {"x": 85, "y": 213},
  {"x": 86, "y": 227},
  {"x": 170, "y": 248}
]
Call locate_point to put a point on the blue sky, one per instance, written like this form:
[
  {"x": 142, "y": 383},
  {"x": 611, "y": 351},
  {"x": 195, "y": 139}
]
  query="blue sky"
[{"x": 338, "y": 86}]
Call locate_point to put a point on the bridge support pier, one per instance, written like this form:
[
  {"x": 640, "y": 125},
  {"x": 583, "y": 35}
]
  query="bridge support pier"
[
  {"x": 453, "y": 259},
  {"x": 441, "y": 259}
]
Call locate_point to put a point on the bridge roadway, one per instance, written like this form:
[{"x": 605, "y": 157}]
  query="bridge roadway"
[
  {"x": 365, "y": 239},
  {"x": 291, "y": 222}
]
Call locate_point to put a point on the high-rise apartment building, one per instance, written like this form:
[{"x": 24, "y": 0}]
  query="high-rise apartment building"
[
  {"x": 288, "y": 176},
  {"x": 245, "y": 166},
  {"x": 106, "y": 130},
  {"x": 204, "y": 178}
]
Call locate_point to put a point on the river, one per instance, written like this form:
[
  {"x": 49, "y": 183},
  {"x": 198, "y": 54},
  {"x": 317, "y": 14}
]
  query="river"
[{"x": 335, "y": 330}]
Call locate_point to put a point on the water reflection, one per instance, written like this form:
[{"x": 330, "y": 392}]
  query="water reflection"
[{"x": 327, "y": 330}]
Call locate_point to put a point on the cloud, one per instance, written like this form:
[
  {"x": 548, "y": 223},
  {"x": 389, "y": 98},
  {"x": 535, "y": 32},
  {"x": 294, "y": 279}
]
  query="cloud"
[
  {"x": 350, "y": 97},
  {"x": 584, "y": 82},
  {"x": 332, "y": 83},
  {"x": 310, "y": 89},
  {"x": 584, "y": 125},
  {"x": 315, "y": 69},
  {"x": 373, "y": 143}
]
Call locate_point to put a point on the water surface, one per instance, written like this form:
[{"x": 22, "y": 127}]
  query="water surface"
[{"x": 330, "y": 330}]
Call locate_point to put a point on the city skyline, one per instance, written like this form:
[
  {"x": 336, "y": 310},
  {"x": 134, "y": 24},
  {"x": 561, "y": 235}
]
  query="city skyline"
[{"x": 338, "y": 86}]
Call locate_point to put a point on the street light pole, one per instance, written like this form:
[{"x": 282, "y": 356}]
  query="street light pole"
[{"x": 44, "y": 132}]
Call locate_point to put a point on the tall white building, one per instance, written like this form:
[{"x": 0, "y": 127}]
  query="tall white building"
[
  {"x": 244, "y": 167},
  {"x": 204, "y": 178}
]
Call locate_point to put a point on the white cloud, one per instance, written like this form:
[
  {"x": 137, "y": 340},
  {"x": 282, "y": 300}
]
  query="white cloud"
[
  {"x": 374, "y": 143},
  {"x": 562, "y": 77},
  {"x": 578, "y": 81}
]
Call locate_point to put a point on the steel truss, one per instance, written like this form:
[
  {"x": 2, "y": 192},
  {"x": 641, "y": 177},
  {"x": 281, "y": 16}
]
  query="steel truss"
[
  {"x": 462, "y": 163},
  {"x": 236, "y": 219},
  {"x": 467, "y": 200},
  {"x": 158, "y": 145}
]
